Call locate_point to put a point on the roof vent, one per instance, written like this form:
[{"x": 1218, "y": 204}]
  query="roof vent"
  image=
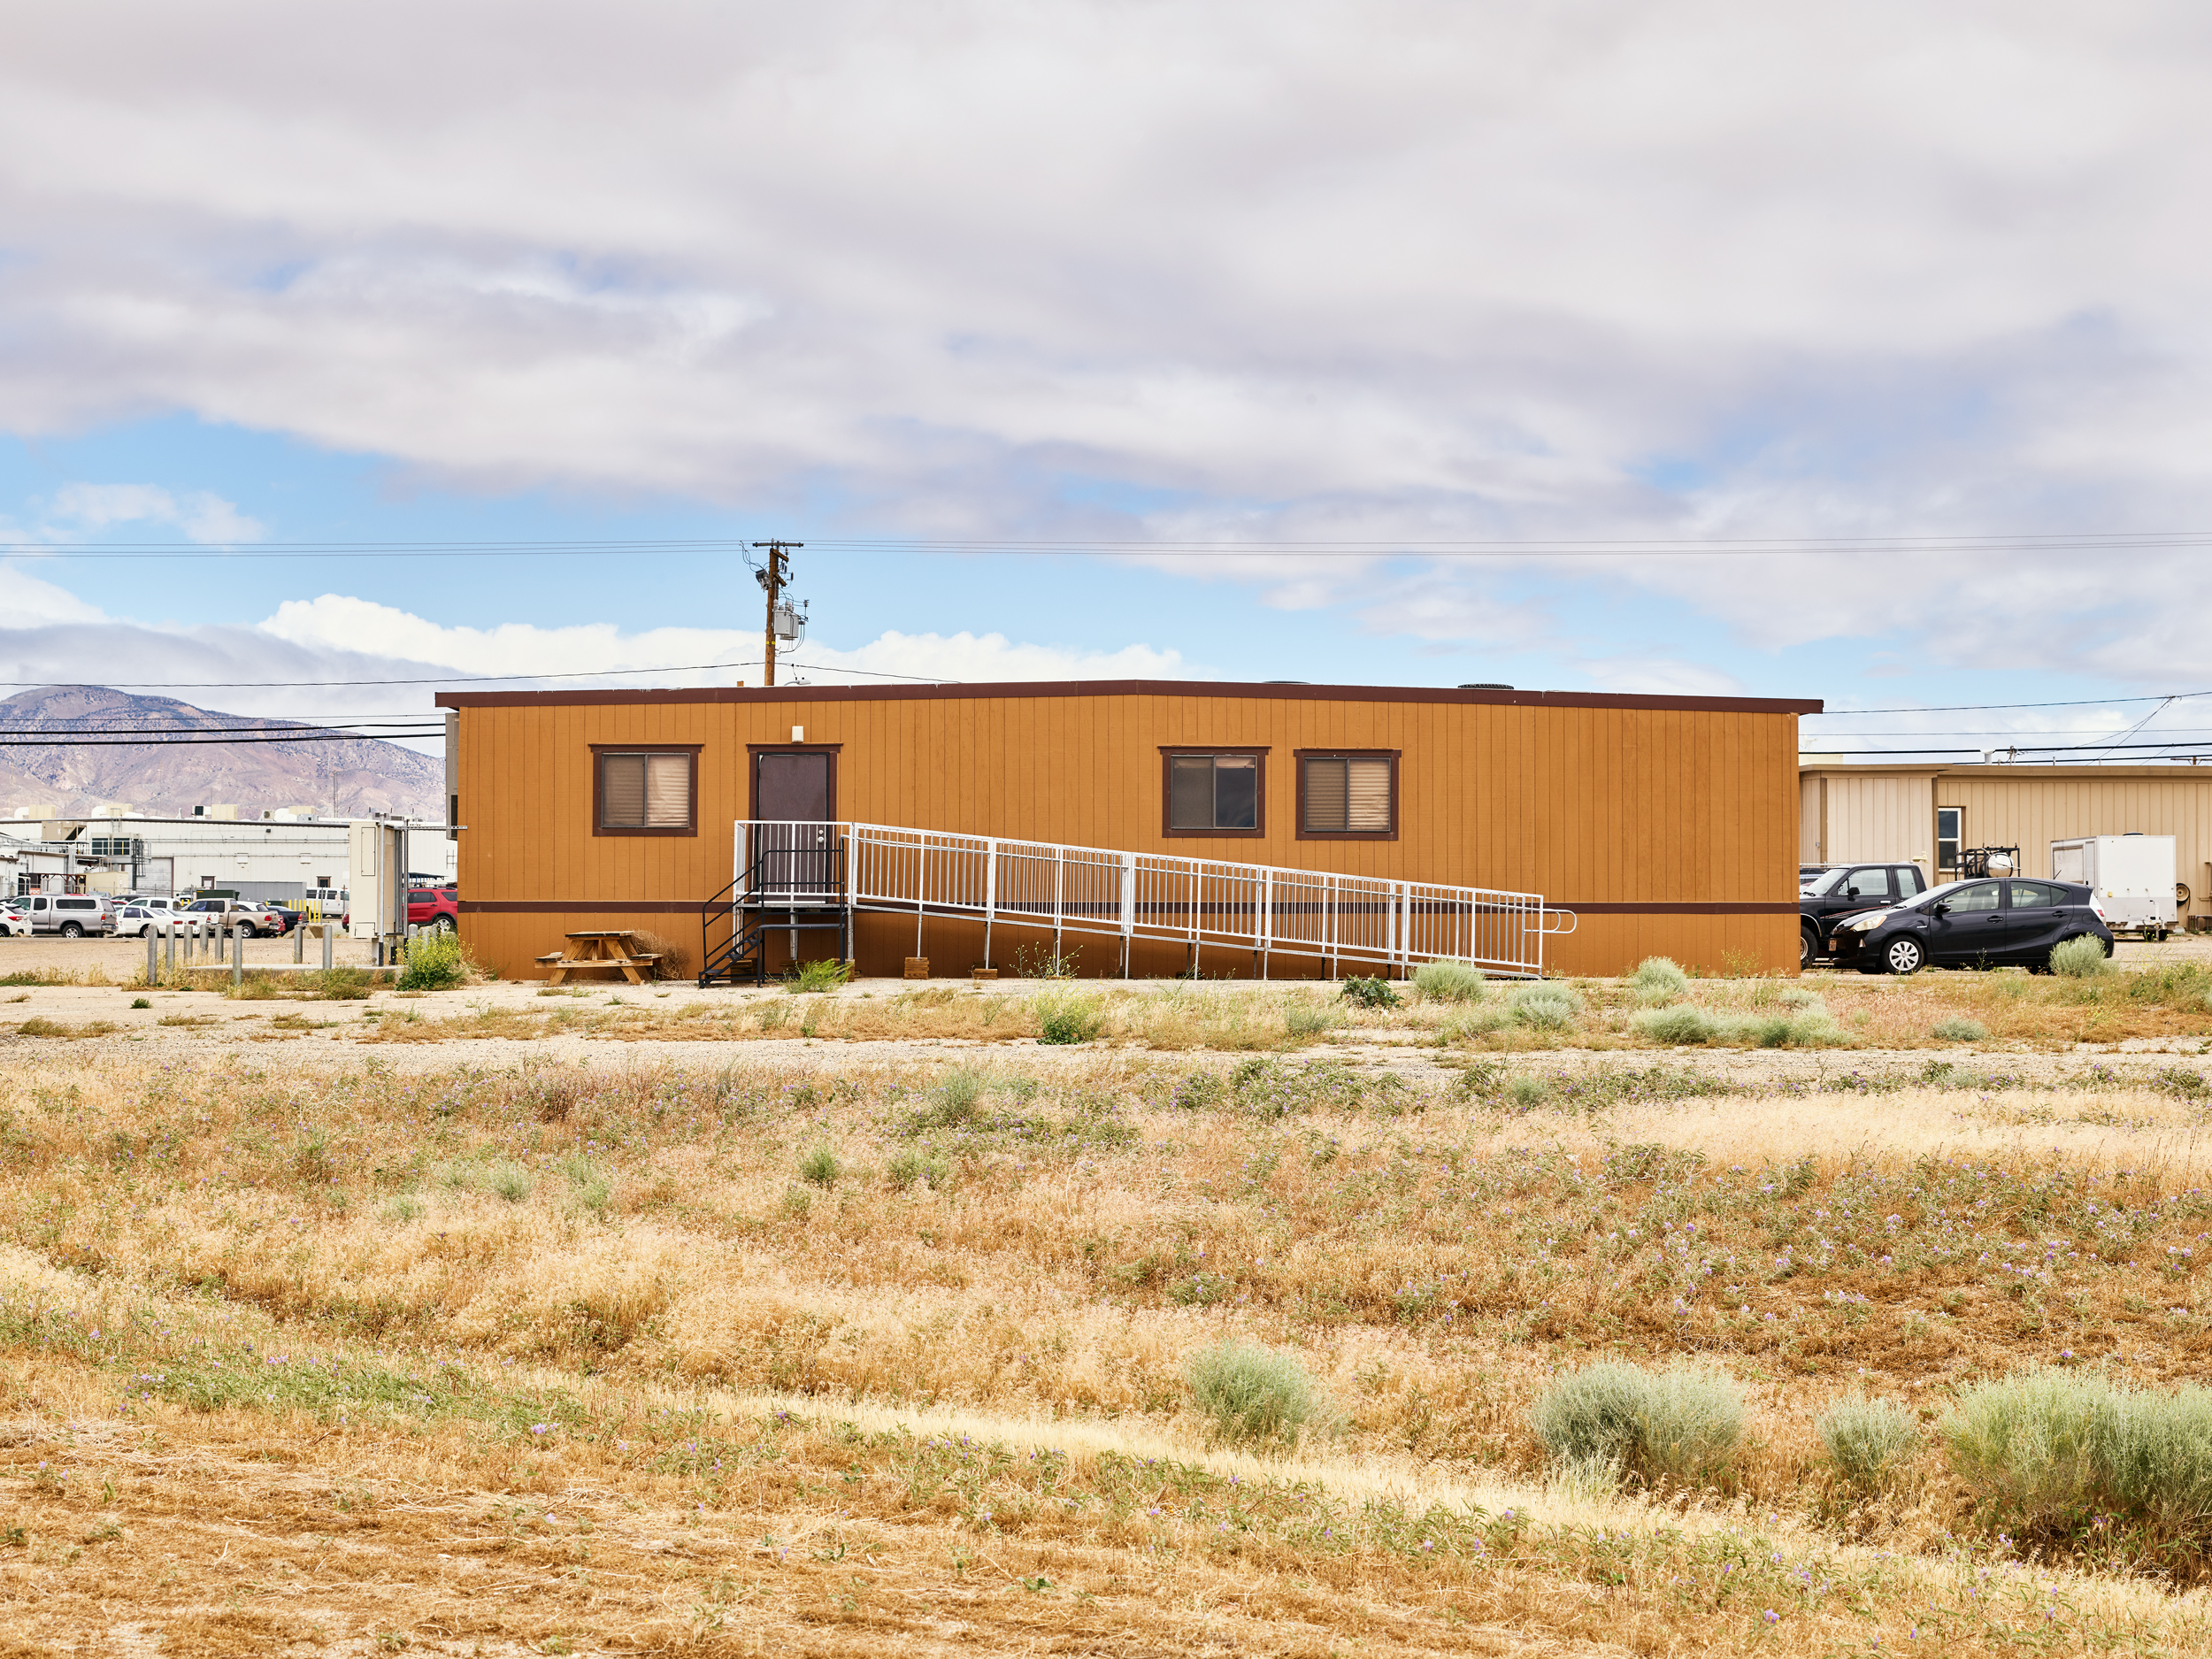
[
  {"x": 1483, "y": 685},
  {"x": 1285, "y": 682}
]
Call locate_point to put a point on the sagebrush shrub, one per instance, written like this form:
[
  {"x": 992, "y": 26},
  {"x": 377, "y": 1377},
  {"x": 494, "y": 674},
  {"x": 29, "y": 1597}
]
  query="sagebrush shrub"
[
  {"x": 2081, "y": 958},
  {"x": 1680, "y": 1425},
  {"x": 1684, "y": 1022},
  {"x": 1660, "y": 976},
  {"x": 1547, "y": 1006},
  {"x": 1959, "y": 1029},
  {"x": 1304, "y": 1018},
  {"x": 1867, "y": 1440},
  {"x": 2065, "y": 1459},
  {"x": 1449, "y": 981},
  {"x": 953, "y": 1099},
  {"x": 1062, "y": 1019},
  {"x": 1528, "y": 1090},
  {"x": 1252, "y": 1395}
]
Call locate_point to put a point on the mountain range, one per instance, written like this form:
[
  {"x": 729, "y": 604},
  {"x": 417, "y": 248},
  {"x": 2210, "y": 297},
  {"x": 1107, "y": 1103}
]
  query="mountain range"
[{"x": 349, "y": 777}]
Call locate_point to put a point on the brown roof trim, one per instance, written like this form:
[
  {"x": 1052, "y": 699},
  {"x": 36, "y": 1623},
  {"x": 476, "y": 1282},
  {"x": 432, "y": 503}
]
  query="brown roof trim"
[
  {"x": 2021, "y": 770},
  {"x": 1124, "y": 689}
]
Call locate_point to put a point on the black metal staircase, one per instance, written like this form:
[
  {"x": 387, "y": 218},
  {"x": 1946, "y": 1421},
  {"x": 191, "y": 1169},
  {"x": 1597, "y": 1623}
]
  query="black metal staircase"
[{"x": 788, "y": 888}]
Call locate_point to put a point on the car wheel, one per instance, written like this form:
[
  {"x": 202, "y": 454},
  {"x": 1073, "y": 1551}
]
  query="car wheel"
[
  {"x": 1904, "y": 954},
  {"x": 146, "y": 931},
  {"x": 1805, "y": 947},
  {"x": 72, "y": 930},
  {"x": 444, "y": 924}
]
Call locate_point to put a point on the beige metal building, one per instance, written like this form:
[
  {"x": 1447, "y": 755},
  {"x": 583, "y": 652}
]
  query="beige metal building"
[{"x": 1926, "y": 814}]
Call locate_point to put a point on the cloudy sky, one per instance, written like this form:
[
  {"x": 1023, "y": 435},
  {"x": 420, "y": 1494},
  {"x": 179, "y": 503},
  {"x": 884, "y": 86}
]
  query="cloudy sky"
[{"x": 1870, "y": 342}]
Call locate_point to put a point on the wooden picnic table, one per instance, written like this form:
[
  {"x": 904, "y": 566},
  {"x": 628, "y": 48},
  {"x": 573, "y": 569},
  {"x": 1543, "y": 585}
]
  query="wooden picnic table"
[{"x": 613, "y": 948}]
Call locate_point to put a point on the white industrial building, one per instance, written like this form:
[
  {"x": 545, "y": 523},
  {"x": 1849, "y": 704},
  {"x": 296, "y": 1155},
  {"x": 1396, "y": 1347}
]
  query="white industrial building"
[{"x": 279, "y": 858}]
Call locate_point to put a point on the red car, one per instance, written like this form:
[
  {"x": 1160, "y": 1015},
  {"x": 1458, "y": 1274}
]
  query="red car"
[{"x": 433, "y": 907}]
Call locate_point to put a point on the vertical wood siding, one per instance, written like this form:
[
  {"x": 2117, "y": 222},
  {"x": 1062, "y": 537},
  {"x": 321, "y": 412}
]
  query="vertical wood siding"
[{"x": 1587, "y": 806}]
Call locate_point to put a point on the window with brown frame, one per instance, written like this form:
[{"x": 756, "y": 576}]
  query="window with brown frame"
[
  {"x": 1214, "y": 792},
  {"x": 645, "y": 791},
  {"x": 1349, "y": 793}
]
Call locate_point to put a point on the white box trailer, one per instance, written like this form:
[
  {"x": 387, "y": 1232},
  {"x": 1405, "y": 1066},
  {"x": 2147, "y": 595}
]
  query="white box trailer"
[{"x": 2132, "y": 877}]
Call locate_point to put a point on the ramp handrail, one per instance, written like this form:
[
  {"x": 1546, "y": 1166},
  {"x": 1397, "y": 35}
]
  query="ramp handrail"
[{"x": 1266, "y": 908}]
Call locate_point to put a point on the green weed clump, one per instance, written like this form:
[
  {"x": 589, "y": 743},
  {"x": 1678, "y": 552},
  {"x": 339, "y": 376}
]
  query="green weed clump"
[
  {"x": 437, "y": 961},
  {"x": 588, "y": 1183},
  {"x": 1545, "y": 1005},
  {"x": 1065, "y": 1018},
  {"x": 1369, "y": 993},
  {"x": 1610, "y": 1421},
  {"x": 2082, "y": 958},
  {"x": 2073, "y": 1464},
  {"x": 1959, "y": 1029},
  {"x": 1681, "y": 1025},
  {"x": 910, "y": 1167},
  {"x": 819, "y": 1167},
  {"x": 1867, "y": 1440},
  {"x": 1659, "y": 980},
  {"x": 1448, "y": 981},
  {"x": 1251, "y": 1395},
  {"x": 825, "y": 975}
]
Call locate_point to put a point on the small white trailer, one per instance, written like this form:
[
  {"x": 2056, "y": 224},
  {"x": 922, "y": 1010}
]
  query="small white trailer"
[{"x": 2132, "y": 877}]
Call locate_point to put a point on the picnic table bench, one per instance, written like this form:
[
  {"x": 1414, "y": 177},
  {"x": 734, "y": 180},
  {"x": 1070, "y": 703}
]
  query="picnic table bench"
[{"x": 614, "y": 948}]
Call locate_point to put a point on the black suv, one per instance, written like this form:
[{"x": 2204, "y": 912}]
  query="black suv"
[
  {"x": 1843, "y": 889},
  {"x": 1985, "y": 924}
]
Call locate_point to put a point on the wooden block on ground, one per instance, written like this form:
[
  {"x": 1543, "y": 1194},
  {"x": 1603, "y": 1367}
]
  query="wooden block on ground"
[
  {"x": 918, "y": 967},
  {"x": 986, "y": 973}
]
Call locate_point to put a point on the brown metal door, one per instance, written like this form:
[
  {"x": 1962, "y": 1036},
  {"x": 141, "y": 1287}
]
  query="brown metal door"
[{"x": 794, "y": 788}]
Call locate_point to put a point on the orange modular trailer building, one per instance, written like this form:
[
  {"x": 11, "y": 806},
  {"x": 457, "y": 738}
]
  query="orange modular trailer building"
[{"x": 1669, "y": 826}]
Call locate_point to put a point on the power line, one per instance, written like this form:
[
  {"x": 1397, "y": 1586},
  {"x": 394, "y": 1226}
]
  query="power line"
[
  {"x": 204, "y": 742},
  {"x": 1675, "y": 547},
  {"x": 458, "y": 679}
]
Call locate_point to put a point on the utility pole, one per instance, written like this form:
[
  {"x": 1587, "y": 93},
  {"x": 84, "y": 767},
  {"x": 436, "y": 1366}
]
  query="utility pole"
[{"x": 773, "y": 579}]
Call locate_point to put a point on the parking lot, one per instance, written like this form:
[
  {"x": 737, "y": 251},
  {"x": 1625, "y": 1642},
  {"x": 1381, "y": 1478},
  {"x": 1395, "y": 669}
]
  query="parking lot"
[{"x": 126, "y": 959}]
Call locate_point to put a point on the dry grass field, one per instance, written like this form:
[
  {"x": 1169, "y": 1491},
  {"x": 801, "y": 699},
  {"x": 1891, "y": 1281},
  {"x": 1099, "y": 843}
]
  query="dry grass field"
[{"x": 377, "y": 1347}]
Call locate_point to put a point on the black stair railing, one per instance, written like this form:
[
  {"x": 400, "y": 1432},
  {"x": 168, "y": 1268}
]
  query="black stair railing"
[{"x": 793, "y": 882}]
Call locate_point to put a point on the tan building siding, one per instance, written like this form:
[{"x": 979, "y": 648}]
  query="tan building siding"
[
  {"x": 1589, "y": 805},
  {"x": 1888, "y": 812}
]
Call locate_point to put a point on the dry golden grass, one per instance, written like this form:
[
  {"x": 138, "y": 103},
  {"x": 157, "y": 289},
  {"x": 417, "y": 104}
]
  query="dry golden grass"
[
  {"x": 2013, "y": 1008},
  {"x": 367, "y": 1330}
]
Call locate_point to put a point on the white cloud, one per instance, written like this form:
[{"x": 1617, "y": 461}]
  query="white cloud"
[
  {"x": 1393, "y": 268},
  {"x": 337, "y": 623},
  {"x": 77, "y": 509}
]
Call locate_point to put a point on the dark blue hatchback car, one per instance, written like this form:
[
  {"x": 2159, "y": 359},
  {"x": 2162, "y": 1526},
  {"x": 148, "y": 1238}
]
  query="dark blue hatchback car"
[{"x": 1985, "y": 924}]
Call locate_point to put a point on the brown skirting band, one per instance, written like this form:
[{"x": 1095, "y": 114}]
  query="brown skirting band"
[
  {"x": 669, "y": 907},
  {"x": 1775, "y": 909},
  {"x": 580, "y": 907}
]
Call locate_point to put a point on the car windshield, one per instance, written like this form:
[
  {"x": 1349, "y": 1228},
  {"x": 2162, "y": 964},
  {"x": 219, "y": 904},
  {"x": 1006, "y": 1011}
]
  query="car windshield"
[{"x": 1934, "y": 895}]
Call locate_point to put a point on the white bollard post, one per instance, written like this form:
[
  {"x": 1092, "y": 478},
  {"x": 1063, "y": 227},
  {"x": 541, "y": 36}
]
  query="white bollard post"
[
  {"x": 237, "y": 953},
  {"x": 153, "y": 957},
  {"x": 330, "y": 932},
  {"x": 299, "y": 940}
]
